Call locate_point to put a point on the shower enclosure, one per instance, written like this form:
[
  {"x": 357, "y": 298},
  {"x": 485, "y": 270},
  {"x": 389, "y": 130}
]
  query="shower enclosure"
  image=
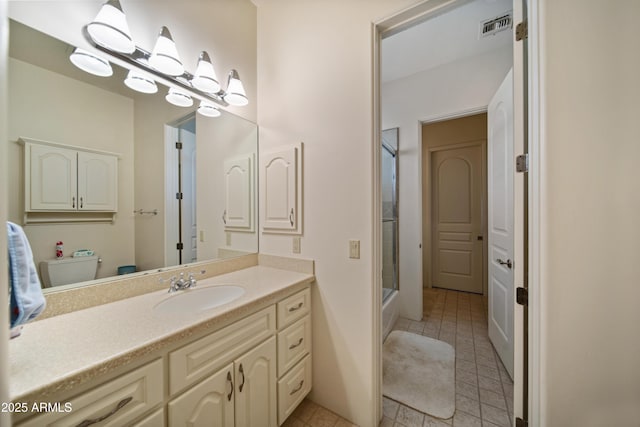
[{"x": 389, "y": 212}]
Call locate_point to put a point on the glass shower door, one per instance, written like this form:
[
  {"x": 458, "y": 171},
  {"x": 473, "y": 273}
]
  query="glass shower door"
[{"x": 389, "y": 212}]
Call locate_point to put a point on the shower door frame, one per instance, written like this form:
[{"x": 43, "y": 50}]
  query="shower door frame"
[{"x": 396, "y": 214}]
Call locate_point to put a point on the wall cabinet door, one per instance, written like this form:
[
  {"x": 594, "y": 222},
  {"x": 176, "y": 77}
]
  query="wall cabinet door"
[
  {"x": 209, "y": 403},
  {"x": 281, "y": 189},
  {"x": 238, "y": 197},
  {"x": 256, "y": 379},
  {"x": 59, "y": 178},
  {"x": 97, "y": 182},
  {"x": 51, "y": 181}
]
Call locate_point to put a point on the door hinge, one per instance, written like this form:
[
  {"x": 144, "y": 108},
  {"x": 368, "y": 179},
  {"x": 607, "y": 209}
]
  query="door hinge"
[
  {"x": 179, "y": 246},
  {"x": 179, "y": 196},
  {"x": 522, "y": 296},
  {"x": 521, "y": 423},
  {"x": 522, "y": 163},
  {"x": 522, "y": 31},
  {"x": 178, "y": 145}
]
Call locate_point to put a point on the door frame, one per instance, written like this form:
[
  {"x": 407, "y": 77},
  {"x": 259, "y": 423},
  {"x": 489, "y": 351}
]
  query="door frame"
[
  {"x": 396, "y": 23},
  {"x": 425, "y": 170}
]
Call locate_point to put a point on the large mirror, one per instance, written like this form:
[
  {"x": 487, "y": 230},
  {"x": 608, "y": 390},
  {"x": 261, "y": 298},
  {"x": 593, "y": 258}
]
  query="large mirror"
[{"x": 51, "y": 100}]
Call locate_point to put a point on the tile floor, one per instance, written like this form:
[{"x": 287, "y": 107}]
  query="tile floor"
[
  {"x": 484, "y": 391},
  {"x": 309, "y": 414}
]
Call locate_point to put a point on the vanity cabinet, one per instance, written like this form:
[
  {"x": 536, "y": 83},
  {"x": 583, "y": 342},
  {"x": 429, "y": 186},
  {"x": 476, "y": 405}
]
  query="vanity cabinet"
[
  {"x": 253, "y": 372},
  {"x": 281, "y": 189},
  {"x": 63, "y": 178}
]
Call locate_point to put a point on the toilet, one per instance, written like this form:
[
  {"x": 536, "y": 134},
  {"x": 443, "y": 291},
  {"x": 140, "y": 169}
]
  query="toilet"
[{"x": 58, "y": 272}]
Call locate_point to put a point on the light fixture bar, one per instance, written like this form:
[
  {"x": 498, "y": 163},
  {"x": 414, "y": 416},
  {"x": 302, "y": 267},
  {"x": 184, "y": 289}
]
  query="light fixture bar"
[{"x": 140, "y": 58}]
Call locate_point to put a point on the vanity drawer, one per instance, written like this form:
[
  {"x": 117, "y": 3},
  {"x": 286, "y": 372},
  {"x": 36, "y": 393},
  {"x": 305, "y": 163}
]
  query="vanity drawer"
[
  {"x": 125, "y": 398},
  {"x": 293, "y": 343},
  {"x": 293, "y": 308},
  {"x": 195, "y": 361},
  {"x": 293, "y": 387}
]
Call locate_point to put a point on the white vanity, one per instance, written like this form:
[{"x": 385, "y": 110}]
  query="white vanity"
[{"x": 243, "y": 363}]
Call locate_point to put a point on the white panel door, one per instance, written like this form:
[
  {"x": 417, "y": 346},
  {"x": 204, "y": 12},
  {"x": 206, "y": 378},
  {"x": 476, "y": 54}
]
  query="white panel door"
[
  {"x": 238, "y": 192},
  {"x": 208, "y": 404},
  {"x": 279, "y": 184},
  {"x": 97, "y": 182},
  {"x": 457, "y": 218},
  {"x": 256, "y": 379},
  {"x": 500, "y": 221},
  {"x": 53, "y": 178}
]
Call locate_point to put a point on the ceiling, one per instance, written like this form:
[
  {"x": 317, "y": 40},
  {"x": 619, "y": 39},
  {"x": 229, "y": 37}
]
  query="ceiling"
[{"x": 446, "y": 38}]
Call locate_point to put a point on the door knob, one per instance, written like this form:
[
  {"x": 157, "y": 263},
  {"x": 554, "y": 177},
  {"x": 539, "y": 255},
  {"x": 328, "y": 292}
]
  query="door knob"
[{"x": 508, "y": 262}]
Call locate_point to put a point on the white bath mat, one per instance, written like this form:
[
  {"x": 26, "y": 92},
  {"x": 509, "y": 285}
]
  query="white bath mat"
[{"x": 419, "y": 372}]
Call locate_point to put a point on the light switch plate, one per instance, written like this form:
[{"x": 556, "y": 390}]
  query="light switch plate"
[
  {"x": 201, "y": 236},
  {"x": 228, "y": 238},
  {"x": 354, "y": 249},
  {"x": 296, "y": 245}
]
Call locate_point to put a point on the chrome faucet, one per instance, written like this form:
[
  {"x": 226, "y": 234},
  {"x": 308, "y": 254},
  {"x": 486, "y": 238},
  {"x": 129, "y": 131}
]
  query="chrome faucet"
[{"x": 177, "y": 284}]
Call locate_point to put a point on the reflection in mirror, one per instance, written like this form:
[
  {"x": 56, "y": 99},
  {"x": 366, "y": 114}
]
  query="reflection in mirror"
[{"x": 201, "y": 198}]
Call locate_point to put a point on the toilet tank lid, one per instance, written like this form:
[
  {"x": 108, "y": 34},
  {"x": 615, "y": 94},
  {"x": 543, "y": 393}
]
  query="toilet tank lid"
[{"x": 71, "y": 259}]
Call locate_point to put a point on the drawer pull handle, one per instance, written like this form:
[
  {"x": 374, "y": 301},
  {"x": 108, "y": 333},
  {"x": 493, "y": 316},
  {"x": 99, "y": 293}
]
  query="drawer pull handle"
[
  {"x": 291, "y": 217},
  {"x": 297, "y": 389},
  {"x": 231, "y": 388},
  {"x": 297, "y": 307},
  {"x": 292, "y": 346},
  {"x": 92, "y": 421},
  {"x": 81, "y": 202},
  {"x": 241, "y": 370},
  {"x": 73, "y": 202},
  {"x": 224, "y": 217}
]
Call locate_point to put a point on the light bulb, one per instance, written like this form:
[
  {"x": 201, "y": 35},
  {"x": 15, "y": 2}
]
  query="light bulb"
[
  {"x": 164, "y": 56},
  {"x": 235, "y": 95},
  {"x": 140, "y": 82},
  {"x": 110, "y": 28},
  {"x": 205, "y": 77}
]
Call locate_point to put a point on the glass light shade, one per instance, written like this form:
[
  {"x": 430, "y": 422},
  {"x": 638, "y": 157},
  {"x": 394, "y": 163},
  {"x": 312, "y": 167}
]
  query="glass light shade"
[
  {"x": 235, "y": 95},
  {"x": 110, "y": 28},
  {"x": 205, "y": 77},
  {"x": 164, "y": 56},
  {"x": 90, "y": 63},
  {"x": 140, "y": 82},
  {"x": 208, "y": 109},
  {"x": 178, "y": 97}
]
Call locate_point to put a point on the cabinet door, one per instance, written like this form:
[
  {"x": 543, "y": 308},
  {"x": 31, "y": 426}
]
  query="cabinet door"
[
  {"x": 97, "y": 182},
  {"x": 51, "y": 178},
  {"x": 209, "y": 403},
  {"x": 280, "y": 187},
  {"x": 256, "y": 399},
  {"x": 238, "y": 190}
]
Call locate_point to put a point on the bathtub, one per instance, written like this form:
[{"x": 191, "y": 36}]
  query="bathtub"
[{"x": 390, "y": 312}]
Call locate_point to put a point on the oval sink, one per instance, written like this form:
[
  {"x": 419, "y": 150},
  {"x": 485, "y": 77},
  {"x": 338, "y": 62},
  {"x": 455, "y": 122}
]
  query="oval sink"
[{"x": 199, "y": 299}]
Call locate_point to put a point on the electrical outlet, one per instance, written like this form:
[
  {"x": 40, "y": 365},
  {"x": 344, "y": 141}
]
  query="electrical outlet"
[
  {"x": 296, "y": 245},
  {"x": 354, "y": 249}
]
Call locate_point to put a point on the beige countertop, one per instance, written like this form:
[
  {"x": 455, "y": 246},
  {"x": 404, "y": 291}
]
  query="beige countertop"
[{"x": 55, "y": 354}]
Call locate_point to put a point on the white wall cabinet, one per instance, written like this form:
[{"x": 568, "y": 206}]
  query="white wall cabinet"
[
  {"x": 281, "y": 189},
  {"x": 238, "y": 213},
  {"x": 251, "y": 373},
  {"x": 69, "y": 179}
]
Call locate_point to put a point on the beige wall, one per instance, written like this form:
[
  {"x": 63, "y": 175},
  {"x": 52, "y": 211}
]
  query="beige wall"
[
  {"x": 589, "y": 213},
  {"x": 315, "y": 85},
  {"x": 52, "y": 107}
]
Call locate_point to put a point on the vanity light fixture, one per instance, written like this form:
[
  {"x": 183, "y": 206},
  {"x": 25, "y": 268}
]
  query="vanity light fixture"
[
  {"x": 208, "y": 109},
  {"x": 179, "y": 97},
  {"x": 164, "y": 56},
  {"x": 109, "y": 33},
  {"x": 91, "y": 63},
  {"x": 235, "y": 94},
  {"x": 140, "y": 82},
  {"x": 205, "y": 77},
  {"x": 110, "y": 28}
]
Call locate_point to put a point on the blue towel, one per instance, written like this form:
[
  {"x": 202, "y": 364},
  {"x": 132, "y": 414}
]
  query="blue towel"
[{"x": 26, "y": 300}]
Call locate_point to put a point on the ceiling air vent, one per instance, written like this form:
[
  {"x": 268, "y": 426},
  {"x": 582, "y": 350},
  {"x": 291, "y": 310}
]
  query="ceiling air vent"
[{"x": 495, "y": 25}]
